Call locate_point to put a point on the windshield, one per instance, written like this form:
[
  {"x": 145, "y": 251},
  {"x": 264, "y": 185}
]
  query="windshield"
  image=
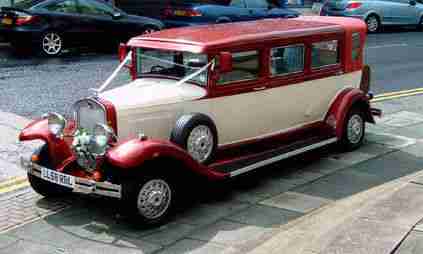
[
  {"x": 175, "y": 64},
  {"x": 26, "y": 4}
]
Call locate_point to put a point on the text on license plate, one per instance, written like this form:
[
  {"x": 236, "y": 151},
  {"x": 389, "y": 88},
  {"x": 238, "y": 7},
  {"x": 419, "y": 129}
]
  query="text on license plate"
[
  {"x": 6, "y": 21},
  {"x": 57, "y": 177}
]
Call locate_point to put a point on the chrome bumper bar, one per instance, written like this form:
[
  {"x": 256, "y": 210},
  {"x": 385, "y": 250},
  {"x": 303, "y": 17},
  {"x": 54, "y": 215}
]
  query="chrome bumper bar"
[{"x": 82, "y": 185}]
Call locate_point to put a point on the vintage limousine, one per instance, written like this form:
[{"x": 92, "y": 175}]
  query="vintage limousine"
[{"x": 207, "y": 103}]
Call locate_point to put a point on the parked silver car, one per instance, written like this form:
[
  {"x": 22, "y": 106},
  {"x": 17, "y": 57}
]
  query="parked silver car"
[{"x": 377, "y": 13}]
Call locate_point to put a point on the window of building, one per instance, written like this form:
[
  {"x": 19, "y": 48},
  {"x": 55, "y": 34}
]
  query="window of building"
[
  {"x": 324, "y": 53},
  {"x": 286, "y": 60}
]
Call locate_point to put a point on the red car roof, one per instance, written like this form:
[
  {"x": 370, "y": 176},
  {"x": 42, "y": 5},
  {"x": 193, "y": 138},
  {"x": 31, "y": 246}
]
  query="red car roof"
[{"x": 202, "y": 38}]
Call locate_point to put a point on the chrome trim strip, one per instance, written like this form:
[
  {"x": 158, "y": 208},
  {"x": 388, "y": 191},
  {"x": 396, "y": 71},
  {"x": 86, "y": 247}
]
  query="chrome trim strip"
[
  {"x": 282, "y": 156},
  {"x": 82, "y": 185}
]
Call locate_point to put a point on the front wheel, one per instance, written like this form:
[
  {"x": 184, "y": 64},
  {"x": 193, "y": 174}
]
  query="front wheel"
[
  {"x": 152, "y": 200},
  {"x": 354, "y": 130},
  {"x": 46, "y": 188},
  {"x": 51, "y": 44}
]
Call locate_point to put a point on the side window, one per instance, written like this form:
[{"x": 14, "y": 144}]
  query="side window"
[
  {"x": 94, "y": 8},
  {"x": 237, "y": 3},
  {"x": 67, "y": 6},
  {"x": 324, "y": 53},
  {"x": 356, "y": 46},
  {"x": 263, "y": 4},
  {"x": 286, "y": 60},
  {"x": 245, "y": 66}
]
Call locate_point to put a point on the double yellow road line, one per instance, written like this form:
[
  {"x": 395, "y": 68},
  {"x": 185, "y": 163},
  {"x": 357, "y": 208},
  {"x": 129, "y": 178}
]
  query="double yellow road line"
[
  {"x": 13, "y": 184},
  {"x": 398, "y": 94}
]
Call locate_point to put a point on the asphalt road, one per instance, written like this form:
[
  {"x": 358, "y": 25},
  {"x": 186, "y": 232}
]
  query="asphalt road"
[{"x": 30, "y": 85}]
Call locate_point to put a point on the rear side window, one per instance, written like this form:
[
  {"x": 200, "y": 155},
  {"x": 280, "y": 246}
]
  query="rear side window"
[
  {"x": 237, "y": 3},
  {"x": 286, "y": 60},
  {"x": 324, "y": 53},
  {"x": 68, "y": 6},
  {"x": 356, "y": 46},
  {"x": 245, "y": 66}
]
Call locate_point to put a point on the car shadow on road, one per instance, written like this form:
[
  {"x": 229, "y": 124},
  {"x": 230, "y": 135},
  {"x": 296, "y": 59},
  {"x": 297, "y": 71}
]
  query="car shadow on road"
[{"x": 241, "y": 214}]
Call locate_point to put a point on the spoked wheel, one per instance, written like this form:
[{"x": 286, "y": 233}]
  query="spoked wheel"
[
  {"x": 152, "y": 200},
  {"x": 200, "y": 143},
  {"x": 354, "y": 129},
  {"x": 373, "y": 24},
  {"x": 51, "y": 44}
]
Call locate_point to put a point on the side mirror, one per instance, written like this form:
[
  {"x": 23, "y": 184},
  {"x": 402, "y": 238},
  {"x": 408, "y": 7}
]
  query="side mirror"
[
  {"x": 412, "y": 2},
  {"x": 116, "y": 15},
  {"x": 225, "y": 62}
]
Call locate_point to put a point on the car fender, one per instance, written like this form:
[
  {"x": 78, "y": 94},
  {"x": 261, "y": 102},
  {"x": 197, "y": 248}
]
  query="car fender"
[
  {"x": 342, "y": 104},
  {"x": 133, "y": 153},
  {"x": 373, "y": 12},
  {"x": 59, "y": 150}
]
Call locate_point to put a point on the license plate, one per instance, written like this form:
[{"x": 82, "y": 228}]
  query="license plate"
[
  {"x": 7, "y": 21},
  {"x": 57, "y": 177}
]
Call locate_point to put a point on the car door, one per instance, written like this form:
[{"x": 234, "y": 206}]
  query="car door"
[
  {"x": 238, "y": 96},
  {"x": 99, "y": 25},
  {"x": 63, "y": 17},
  {"x": 403, "y": 13}
]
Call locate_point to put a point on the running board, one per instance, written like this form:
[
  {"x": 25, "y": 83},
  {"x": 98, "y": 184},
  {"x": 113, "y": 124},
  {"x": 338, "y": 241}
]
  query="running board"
[{"x": 246, "y": 165}]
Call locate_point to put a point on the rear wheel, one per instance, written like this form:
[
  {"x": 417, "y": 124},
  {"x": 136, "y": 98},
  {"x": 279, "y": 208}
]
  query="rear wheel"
[
  {"x": 373, "y": 24},
  {"x": 420, "y": 25},
  {"x": 354, "y": 129},
  {"x": 150, "y": 29},
  {"x": 51, "y": 44}
]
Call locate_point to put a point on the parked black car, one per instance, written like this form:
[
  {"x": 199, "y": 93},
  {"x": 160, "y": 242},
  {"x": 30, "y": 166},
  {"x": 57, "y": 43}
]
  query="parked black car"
[
  {"x": 176, "y": 13},
  {"x": 51, "y": 25}
]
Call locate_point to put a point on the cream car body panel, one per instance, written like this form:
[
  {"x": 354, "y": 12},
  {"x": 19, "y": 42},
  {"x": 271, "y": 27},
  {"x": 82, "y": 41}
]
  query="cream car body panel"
[{"x": 152, "y": 106}]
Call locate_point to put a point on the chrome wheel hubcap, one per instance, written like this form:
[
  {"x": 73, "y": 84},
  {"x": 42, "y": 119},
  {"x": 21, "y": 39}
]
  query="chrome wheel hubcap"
[
  {"x": 52, "y": 44},
  {"x": 200, "y": 143},
  {"x": 355, "y": 129},
  {"x": 372, "y": 24},
  {"x": 154, "y": 198}
]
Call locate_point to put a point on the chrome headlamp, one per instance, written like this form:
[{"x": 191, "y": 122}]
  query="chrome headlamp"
[
  {"x": 56, "y": 123},
  {"x": 102, "y": 134}
]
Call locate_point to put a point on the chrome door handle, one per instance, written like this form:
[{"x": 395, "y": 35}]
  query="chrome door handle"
[{"x": 259, "y": 88}]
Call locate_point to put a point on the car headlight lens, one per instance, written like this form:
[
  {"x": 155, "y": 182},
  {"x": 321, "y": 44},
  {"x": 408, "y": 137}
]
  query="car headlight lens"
[
  {"x": 102, "y": 134},
  {"x": 56, "y": 123}
]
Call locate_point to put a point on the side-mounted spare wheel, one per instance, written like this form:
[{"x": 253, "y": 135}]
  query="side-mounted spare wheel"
[
  {"x": 197, "y": 134},
  {"x": 41, "y": 186}
]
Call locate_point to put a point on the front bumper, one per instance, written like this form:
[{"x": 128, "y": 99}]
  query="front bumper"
[{"x": 81, "y": 185}]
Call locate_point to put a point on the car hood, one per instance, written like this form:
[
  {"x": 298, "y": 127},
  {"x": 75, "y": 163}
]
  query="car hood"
[{"x": 148, "y": 92}]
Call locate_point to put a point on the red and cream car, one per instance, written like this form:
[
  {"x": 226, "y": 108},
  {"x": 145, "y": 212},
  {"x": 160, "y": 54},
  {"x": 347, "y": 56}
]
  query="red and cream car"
[{"x": 207, "y": 102}]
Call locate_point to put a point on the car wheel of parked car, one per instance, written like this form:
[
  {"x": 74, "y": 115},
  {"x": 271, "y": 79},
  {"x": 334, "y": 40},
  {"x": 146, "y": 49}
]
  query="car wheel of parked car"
[
  {"x": 197, "y": 134},
  {"x": 151, "y": 200},
  {"x": 44, "y": 187},
  {"x": 354, "y": 129},
  {"x": 51, "y": 44},
  {"x": 373, "y": 24},
  {"x": 420, "y": 25}
]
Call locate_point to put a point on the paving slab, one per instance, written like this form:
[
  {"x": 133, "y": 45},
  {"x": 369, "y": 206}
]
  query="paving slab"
[
  {"x": 298, "y": 202},
  {"x": 339, "y": 185},
  {"x": 120, "y": 246},
  {"x": 413, "y": 244},
  {"x": 264, "y": 216},
  {"x": 29, "y": 247},
  {"x": 362, "y": 237},
  {"x": 190, "y": 246},
  {"x": 170, "y": 233},
  {"x": 401, "y": 119},
  {"x": 390, "y": 140},
  {"x": 233, "y": 234}
]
